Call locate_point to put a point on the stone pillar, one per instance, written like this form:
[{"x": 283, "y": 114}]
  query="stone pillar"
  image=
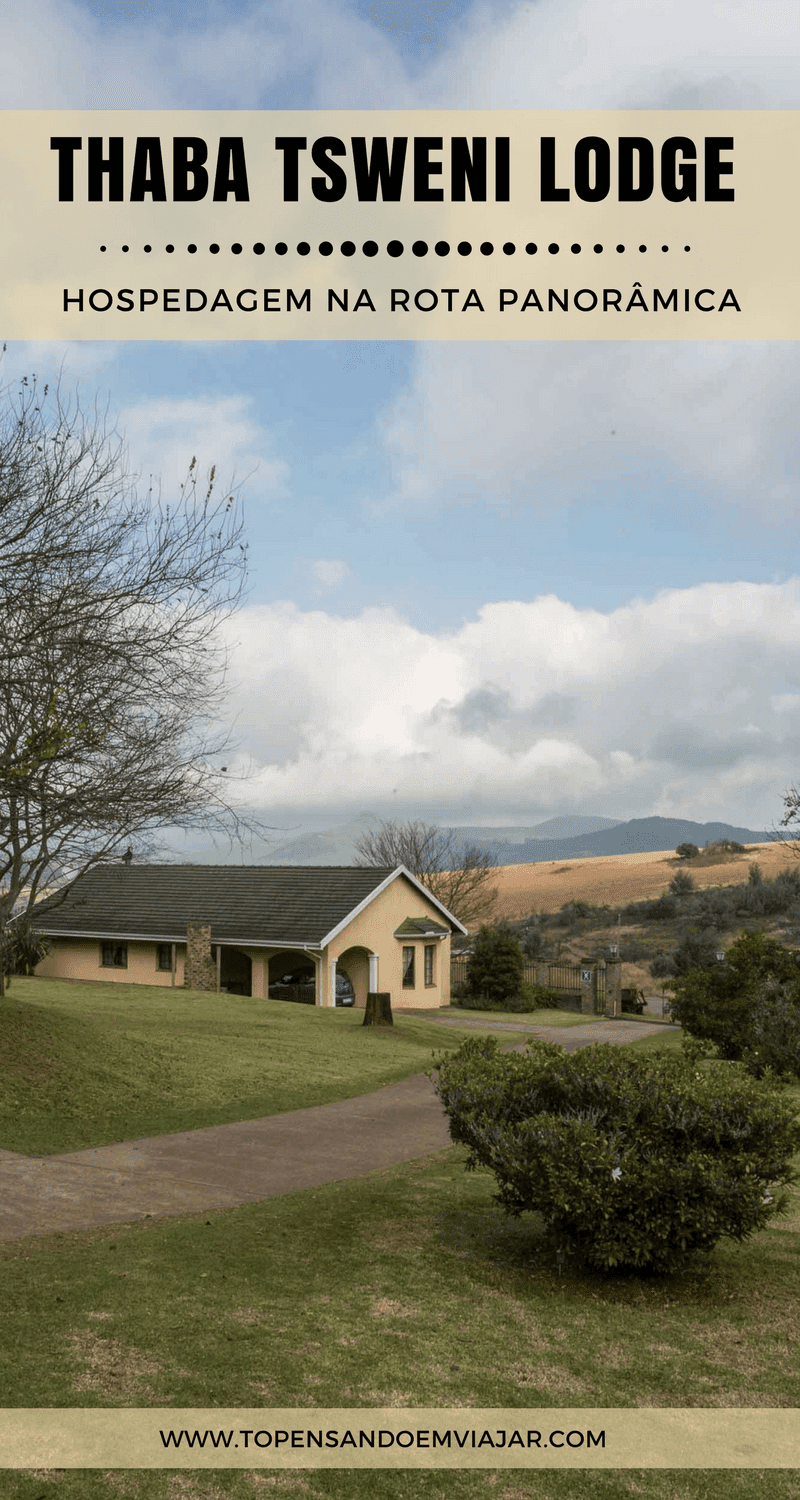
[
  {"x": 200, "y": 972},
  {"x": 542, "y": 971},
  {"x": 259, "y": 976},
  {"x": 332, "y": 996},
  {"x": 587, "y": 988},
  {"x": 373, "y": 973},
  {"x": 613, "y": 987}
]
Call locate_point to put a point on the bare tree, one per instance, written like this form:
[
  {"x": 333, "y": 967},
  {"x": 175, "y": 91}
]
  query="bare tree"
[
  {"x": 790, "y": 821},
  {"x": 458, "y": 875},
  {"x": 112, "y": 671}
]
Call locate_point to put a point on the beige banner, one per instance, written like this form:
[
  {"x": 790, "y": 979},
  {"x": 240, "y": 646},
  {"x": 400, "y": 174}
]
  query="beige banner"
[
  {"x": 420, "y": 1438},
  {"x": 400, "y": 225}
]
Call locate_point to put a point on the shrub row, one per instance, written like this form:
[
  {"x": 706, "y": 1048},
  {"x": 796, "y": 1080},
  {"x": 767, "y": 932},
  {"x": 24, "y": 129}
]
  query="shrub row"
[
  {"x": 529, "y": 997},
  {"x": 723, "y": 906}
]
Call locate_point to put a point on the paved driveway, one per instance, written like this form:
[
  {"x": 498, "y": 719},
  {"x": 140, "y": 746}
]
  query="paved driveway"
[
  {"x": 571, "y": 1037},
  {"x": 226, "y": 1165}
]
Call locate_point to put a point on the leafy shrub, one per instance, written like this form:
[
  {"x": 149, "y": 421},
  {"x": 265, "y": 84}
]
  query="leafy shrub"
[
  {"x": 496, "y": 967},
  {"x": 664, "y": 909},
  {"x": 536, "y": 997},
  {"x": 530, "y": 997},
  {"x": 574, "y": 911},
  {"x": 697, "y": 949},
  {"x": 534, "y": 943},
  {"x": 681, "y": 884},
  {"x": 632, "y": 950},
  {"x": 687, "y": 851},
  {"x": 775, "y": 1021},
  {"x": 21, "y": 949},
  {"x": 723, "y": 846},
  {"x": 634, "y": 1160},
  {"x": 745, "y": 1007}
]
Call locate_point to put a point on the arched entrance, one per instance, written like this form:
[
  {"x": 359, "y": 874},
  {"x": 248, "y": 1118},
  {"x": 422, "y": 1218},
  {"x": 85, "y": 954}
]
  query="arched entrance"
[{"x": 353, "y": 965}]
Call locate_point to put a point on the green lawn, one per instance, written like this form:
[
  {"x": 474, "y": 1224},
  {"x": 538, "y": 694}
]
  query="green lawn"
[
  {"x": 406, "y": 1288},
  {"x": 89, "y": 1064}
]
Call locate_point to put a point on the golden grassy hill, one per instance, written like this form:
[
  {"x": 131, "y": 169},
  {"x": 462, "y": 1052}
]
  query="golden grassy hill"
[{"x": 617, "y": 879}]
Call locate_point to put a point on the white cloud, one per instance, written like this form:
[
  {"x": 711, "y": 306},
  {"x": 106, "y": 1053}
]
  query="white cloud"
[
  {"x": 620, "y": 54},
  {"x": 69, "y": 56},
  {"x": 330, "y": 572},
  {"x": 553, "y": 54},
  {"x": 164, "y": 434},
  {"x": 542, "y": 424},
  {"x": 50, "y": 360},
  {"x": 663, "y": 706}
]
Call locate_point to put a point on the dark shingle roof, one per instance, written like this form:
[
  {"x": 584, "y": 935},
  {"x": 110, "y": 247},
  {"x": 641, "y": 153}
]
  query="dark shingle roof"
[{"x": 264, "y": 904}]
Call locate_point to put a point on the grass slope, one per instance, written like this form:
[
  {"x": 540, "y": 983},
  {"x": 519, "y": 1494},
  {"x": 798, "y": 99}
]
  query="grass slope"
[
  {"x": 88, "y": 1064},
  {"x": 620, "y": 878},
  {"x": 407, "y": 1288}
]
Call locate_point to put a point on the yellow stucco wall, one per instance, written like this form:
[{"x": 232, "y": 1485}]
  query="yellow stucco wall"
[
  {"x": 373, "y": 929},
  {"x": 79, "y": 958}
]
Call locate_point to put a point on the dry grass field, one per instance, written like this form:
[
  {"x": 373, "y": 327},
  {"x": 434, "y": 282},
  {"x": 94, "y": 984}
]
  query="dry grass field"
[{"x": 616, "y": 880}]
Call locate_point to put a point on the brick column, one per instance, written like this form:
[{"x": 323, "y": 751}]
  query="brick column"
[
  {"x": 613, "y": 987},
  {"x": 587, "y": 988},
  {"x": 200, "y": 971}
]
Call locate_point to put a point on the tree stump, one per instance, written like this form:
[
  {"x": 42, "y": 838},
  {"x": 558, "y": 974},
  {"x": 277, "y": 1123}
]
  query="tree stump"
[{"x": 379, "y": 1010}]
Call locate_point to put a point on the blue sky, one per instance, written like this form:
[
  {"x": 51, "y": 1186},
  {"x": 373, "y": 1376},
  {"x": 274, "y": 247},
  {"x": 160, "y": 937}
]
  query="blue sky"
[{"x": 489, "y": 582}]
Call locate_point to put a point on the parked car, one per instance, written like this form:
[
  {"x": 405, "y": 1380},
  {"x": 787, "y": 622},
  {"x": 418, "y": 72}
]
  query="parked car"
[{"x": 299, "y": 987}]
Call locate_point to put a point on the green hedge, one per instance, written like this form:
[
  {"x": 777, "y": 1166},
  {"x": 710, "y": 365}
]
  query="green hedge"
[{"x": 530, "y": 997}]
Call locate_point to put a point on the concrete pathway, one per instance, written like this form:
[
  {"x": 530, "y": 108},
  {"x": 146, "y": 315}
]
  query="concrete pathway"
[{"x": 226, "y": 1165}]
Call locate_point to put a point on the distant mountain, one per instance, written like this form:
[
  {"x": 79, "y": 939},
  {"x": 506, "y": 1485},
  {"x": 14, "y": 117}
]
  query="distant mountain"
[
  {"x": 566, "y": 827},
  {"x": 563, "y": 838},
  {"x": 638, "y": 836},
  {"x": 336, "y": 846}
]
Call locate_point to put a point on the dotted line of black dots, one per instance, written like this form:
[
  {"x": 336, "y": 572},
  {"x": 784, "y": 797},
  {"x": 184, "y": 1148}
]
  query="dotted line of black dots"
[{"x": 395, "y": 248}]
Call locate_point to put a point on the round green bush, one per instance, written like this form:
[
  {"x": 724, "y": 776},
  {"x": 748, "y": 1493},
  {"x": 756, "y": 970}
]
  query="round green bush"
[
  {"x": 634, "y": 1160},
  {"x": 748, "y": 1007},
  {"x": 496, "y": 968}
]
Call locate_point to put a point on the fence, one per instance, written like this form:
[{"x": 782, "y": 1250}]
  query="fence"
[
  {"x": 557, "y": 977},
  {"x": 572, "y": 981}
]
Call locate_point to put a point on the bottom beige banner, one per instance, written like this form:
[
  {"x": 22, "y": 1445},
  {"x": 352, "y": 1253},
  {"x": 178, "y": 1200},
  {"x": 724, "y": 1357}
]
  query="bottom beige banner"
[{"x": 413, "y": 1438}]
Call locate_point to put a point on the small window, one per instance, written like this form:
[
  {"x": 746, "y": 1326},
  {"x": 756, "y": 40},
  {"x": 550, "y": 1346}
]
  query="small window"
[
  {"x": 164, "y": 957},
  {"x": 430, "y": 971},
  {"x": 408, "y": 969},
  {"x": 114, "y": 955}
]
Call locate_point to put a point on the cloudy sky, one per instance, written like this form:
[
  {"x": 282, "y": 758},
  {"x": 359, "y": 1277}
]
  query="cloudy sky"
[{"x": 490, "y": 582}]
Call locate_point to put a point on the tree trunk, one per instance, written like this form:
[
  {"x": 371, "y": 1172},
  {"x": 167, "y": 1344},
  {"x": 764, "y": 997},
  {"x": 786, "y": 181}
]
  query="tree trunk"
[{"x": 379, "y": 1010}]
